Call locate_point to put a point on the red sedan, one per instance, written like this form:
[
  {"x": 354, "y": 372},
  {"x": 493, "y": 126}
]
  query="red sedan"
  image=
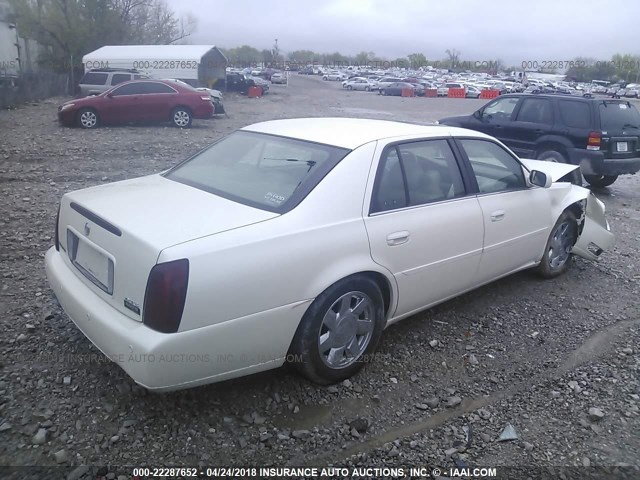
[{"x": 138, "y": 101}]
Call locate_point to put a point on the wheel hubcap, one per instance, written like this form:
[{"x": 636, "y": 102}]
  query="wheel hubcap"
[
  {"x": 181, "y": 118},
  {"x": 346, "y": 330},
  {"x": 561, "y": 243},
  {"x": 88, "y": 119}
]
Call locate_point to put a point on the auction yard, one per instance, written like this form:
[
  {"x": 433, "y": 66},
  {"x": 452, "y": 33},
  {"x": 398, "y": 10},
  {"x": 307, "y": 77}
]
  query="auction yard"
[{"x": 558, "y": 360}]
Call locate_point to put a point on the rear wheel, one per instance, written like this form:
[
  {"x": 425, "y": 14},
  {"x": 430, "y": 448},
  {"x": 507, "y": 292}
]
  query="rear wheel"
[
  {"x": 87, "y": 118},
  {"x": 339, "y": 331},
  {"x": 181, "y": 117},
  {"x": 600, "y": 180},
  {"x": 557, "y": 252},
  {"x": 574, "y": 177}
]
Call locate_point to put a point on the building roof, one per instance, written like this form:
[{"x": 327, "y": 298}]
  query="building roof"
[
  {"x": 149, "y": 52},
  {"x": 352, "y": 132}
]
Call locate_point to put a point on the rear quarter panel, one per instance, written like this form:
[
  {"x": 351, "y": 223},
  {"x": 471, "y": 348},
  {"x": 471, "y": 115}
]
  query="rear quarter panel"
[{"x": 288, "y": 259}]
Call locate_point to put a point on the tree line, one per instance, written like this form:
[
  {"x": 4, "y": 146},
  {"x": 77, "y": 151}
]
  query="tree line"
[{"x": 73, "y": 28}]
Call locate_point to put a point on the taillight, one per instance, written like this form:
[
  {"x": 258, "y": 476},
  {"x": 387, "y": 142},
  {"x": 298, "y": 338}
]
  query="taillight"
[
  {"x": 55, "y": 236},
  {"x": 594, "y": 141},
  {"x": 165, "y": 296}
]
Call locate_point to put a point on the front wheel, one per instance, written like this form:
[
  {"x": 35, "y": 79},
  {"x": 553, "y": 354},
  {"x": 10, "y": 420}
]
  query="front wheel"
[
  {"x": 339, "y": 331},
  {"x": 181, "y": 117},
  {"x": 600, "y": 181},
  {"x": 349, "y": 87},
  {"x": 367, "y": 89},
  {"x": 87, "y": 118},
  {"x": 557, "y": 253}
]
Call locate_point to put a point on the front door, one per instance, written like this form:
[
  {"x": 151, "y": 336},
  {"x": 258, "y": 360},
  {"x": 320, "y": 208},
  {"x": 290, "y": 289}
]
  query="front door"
[{"x": 516, "y": 217}]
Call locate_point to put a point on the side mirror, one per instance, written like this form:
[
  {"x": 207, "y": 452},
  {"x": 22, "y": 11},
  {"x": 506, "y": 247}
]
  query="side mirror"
[
  {"x": 477, "y": 114},
  {"x": 539, "y": 179},
  {"x": 109, "y": 95}
]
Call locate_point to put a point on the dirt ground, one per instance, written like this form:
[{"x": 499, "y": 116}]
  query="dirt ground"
[{"x": 537, "y": 355}]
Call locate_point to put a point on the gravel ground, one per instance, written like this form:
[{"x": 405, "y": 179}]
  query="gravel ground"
[{"x": 557, "y": 360}]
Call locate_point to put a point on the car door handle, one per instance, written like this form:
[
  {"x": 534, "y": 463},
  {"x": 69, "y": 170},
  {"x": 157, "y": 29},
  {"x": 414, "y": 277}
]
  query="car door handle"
[
  {"x": 539, "y": 131},
  {"x": 497, "y": 215},
  {"x": 398, "y": 238}
]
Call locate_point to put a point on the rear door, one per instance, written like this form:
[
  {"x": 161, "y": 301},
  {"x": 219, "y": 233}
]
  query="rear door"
[
  {"x": 516, "y": 217},
  {"x": 123, "y": 104},
  {"x": 157, "y": 101},
  {"x": 422, "y": 223},
  {"x": 533, "y": 119}
]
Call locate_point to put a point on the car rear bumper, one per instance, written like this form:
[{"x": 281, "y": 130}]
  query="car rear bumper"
[
  {"x": 164, "y": 362},
  {"x": 595, "y": 163}
]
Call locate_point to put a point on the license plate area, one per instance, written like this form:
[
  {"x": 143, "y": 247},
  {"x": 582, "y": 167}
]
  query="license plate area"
[
  {"x": 94, "y": 264},
  {"x": 622, "y": 147}
]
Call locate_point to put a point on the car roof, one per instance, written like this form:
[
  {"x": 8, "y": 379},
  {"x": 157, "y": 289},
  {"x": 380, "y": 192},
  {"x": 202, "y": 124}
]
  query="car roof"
[{"x": 352, "y": 132}]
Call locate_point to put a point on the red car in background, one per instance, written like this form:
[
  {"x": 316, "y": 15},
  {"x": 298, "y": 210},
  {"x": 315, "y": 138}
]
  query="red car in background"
[{"x": 138, "y": 101}]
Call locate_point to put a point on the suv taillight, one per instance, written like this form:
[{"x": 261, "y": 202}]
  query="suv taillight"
[
  {"x": 165, "y": 296},
  {"x": 55, "y": 235},
  {"x": 594, "y": 141}
]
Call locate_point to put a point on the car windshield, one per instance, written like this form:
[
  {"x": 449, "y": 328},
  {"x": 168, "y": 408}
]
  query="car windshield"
[
  {"x": 618, "y": 116},
  {"x": 264, "y": 171}
]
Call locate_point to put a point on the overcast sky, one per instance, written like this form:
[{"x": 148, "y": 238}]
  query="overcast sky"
[{"x": 511, "y": 30}]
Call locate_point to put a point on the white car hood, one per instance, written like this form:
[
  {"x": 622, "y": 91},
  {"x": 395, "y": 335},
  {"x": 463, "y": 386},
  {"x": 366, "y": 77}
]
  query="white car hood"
[{"x": 553, "y": 169}]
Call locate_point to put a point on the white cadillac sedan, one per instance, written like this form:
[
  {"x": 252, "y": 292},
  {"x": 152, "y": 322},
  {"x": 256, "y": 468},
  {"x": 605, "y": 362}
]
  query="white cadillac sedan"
[{"x": 300, "y": 240}]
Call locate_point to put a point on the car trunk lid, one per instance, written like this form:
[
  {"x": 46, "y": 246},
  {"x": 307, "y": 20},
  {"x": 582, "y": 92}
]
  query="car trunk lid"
[{"x": 112, "y": 235}]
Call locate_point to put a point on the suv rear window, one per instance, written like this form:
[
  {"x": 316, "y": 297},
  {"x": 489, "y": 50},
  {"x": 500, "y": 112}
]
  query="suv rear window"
[
  {"x": 618, "y": 115},
  {"x": 264, "y": 171},
  {"x": 575, "y": 114},
  {"x": 94, "y": 78}
]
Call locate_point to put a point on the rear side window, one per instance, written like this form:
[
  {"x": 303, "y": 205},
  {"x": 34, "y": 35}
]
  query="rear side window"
[
  {"x": 129, "y": 89},
  {"x": 536, "y": 110},
  {"x": 152, "y": 87},
  {"x": 119, "y": 78},
  {"x": 618, "y": 116},
  {"x": 94, "y": 78},
  {"x": 575, "y": 114},
  {"x": 416, "y": 173}
]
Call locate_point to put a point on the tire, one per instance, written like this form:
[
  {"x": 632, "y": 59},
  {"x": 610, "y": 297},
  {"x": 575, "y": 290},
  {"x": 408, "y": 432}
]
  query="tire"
[
  {"x": 87, "y": 118},
  {"x": 331, "y": 364},
  {"x": 349, "y": 87},
  {"x": 600, "y": 181},
  {"x": 181, "y": 117},
  {"x": 557, "y": 257},
  {"x": 574, "y": 177},
  {"x": 367, "y": 89}
]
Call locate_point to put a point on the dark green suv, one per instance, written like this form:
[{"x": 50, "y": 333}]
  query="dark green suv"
[{"x": 600, "y": 135}]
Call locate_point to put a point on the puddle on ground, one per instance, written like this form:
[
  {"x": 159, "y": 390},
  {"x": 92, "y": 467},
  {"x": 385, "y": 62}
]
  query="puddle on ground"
[{"x": 311, "y": 416}]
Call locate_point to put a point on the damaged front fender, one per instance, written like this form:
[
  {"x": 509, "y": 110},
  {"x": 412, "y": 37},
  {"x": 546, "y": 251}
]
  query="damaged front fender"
[{"x": 596, "y": 236}]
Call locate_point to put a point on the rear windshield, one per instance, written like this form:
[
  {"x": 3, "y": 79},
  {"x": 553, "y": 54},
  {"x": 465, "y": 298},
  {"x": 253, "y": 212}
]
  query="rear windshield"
[
  {"x": 618, "y": 116},
  {"x": 264, "y": 171}
]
